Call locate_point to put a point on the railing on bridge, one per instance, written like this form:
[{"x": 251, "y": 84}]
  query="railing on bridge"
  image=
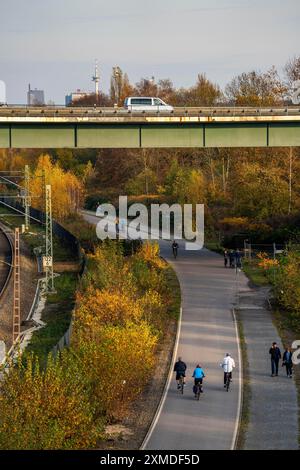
[{"x": 78, "y": 111}]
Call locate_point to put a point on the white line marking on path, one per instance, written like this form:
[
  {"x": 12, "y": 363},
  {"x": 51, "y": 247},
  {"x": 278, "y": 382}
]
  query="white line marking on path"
[
  {"x": 239, "y": 409},
  {"x": 167, "y": 386}
]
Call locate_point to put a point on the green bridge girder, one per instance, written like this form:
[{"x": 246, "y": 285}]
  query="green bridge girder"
[{"x": 149, "y": 135}]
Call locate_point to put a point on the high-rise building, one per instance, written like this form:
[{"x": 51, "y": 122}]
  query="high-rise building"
[
  {"x": 71, "y": 98},
  {"x": 35, "y": 97},
  {"x": 2, "y": 93}
]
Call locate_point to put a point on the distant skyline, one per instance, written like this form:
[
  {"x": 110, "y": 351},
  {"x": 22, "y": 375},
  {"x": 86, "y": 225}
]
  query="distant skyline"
[{"x": 53, "y": 44}]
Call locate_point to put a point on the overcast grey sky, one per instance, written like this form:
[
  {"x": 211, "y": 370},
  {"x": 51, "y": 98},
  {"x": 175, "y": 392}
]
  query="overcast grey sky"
[{"x": 53, "y": 43}]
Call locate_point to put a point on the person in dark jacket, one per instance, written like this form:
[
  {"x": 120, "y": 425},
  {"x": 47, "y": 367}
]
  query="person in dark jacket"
[
  {"x": 288, "y": 362},
  {"x": 231, "y": 258},
  {"x": 238, "y": 258},
  {"x": 275, "y": 358},
  {"x": 225, "y": 258},
  {"x": 179, "y": 368}
]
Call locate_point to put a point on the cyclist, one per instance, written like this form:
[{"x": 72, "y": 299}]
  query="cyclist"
[
  {"x": 198, "y": 375},
  {"x": 228, "y": 365},
  {"x": 179, "y": 368},
  {"x": 175, "y": 248}
]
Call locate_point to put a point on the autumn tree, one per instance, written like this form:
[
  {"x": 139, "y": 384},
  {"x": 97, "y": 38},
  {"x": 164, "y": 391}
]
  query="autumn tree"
[
  {"x": 92, "y": 99},
  {"x": 292, "y": 70},
  {"x": 256, "y": 89},
  {"x": 166, "y": 90},
  {"x": 117, "y": 364},
  {"x": 260, "y": 193},
  {"x": 203, "y": 93},
  {"x": 47, "y": 409},
  {"x": 97, "y": 307},
  {"x": 146, "y": 87},
  {"x": 120, "y": 87},
  {"x": 185, "y": 185},
  {"x": 287, "y": 283},
  {"x": 67, "y": 190}
]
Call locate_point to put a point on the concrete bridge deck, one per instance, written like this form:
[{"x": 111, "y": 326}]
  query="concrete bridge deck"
[{"x": 76, "y": 127}]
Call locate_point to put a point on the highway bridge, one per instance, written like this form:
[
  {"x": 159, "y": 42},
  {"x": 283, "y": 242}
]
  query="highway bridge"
[{"x": 95, "y": 127}]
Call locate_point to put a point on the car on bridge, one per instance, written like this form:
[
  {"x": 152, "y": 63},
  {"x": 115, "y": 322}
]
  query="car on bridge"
[{"x": 146, "y": 103}]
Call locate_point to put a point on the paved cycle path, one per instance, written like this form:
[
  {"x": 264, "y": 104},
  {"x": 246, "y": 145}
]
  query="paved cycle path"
[{"x": 207, "y": 333}]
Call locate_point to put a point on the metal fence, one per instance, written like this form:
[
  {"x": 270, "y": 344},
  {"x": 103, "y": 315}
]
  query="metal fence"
[
  {"x": 37, "y": 215},
  {"x": 63, "y": 342},
  {"x": 251, "y": 250}
]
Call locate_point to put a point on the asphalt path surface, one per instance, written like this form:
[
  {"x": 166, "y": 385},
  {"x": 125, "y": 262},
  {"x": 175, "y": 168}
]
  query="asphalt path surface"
[{"x": 207, "y": 332}]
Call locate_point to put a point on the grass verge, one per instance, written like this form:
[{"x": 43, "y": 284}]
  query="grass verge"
[
  {"x": 57, "y": 316},
  {"x": 246, "y": 389},
  {"x": 256, "y": 275},
  {"x": 174, "y": 287}
]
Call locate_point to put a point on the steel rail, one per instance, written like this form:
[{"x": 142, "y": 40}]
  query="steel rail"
[{"x": 3, "y": 232}]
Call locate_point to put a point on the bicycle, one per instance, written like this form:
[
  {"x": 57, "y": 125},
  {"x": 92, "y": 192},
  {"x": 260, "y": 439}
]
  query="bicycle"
[
  {"x": 227, "y": 383},
  {"x": 181, "y": 384},
  {"x": 198, "y": 391}
]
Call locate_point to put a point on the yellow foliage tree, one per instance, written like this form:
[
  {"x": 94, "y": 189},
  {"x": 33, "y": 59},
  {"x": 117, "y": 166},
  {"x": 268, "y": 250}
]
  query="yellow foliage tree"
[
  {"x": 95, "y": 307},
  {"x": 47, "y": 409},
  {"x": 67, "y": 190},
  {"x": 107, "y": 269},
  {"x": 117, "y": 364},
  {"x": 149, "y": 252},
  {"x": 153, "y": 308}
]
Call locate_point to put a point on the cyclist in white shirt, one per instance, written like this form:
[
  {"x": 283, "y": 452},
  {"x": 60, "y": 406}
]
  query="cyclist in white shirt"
[{"x": 228, "y": 365}]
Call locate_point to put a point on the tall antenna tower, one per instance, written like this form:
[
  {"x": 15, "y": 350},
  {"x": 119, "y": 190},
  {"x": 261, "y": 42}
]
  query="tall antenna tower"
[{"x": 96, "y": 79}]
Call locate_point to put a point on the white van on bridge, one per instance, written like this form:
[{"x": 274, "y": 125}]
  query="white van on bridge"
[{"x": 146, "y": 103}]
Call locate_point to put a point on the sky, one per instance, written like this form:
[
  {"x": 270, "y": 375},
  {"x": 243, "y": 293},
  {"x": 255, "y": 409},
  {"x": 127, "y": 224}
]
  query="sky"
[{"x": 53, "y": 44}]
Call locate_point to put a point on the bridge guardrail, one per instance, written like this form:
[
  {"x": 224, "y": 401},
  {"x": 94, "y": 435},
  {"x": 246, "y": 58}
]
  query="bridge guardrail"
[{"x": 49, "y": 111}]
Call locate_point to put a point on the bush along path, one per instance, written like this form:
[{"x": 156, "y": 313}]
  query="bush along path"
[{"x": 123, "y": 306}]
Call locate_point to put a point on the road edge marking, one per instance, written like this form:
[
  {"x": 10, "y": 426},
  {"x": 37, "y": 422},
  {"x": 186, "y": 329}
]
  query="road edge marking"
[
  {"x": 240, "y": 394},
  {"x": 166, "y": 388}
]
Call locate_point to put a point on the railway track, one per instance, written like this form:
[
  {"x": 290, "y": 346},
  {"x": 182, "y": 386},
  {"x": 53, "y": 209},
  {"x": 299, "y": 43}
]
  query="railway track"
[{"x": 6, "y": 258}]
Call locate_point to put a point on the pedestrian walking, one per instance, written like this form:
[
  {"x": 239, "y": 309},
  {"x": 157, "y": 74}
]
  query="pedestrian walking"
[
  {"x": 231, "y": 258},
  {"x": 275, "y": 354},
  {"x": 225, "y": 258},
  {"x": 238, "y": 258},
  {"x": 288, "y": 362}
]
